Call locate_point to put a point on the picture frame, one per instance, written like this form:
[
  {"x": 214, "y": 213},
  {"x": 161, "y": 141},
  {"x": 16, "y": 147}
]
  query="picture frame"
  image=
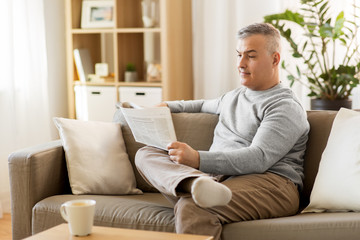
[{"x": 97, "y": 14}]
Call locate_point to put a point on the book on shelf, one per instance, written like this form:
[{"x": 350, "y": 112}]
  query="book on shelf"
[{"x": 83, "y": 62}]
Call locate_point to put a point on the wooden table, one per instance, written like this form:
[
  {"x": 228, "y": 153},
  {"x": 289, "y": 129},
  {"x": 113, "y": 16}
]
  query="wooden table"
[{"x": 61, "y": 232}]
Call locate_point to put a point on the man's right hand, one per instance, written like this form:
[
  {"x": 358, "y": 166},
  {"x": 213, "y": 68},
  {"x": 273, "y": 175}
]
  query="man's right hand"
[{"x": 182, "y": 153}]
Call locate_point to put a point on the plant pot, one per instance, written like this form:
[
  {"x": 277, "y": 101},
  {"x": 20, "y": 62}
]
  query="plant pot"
[
  {"x": 327, "y": 104},
  {"x": 130, "y": 76}
]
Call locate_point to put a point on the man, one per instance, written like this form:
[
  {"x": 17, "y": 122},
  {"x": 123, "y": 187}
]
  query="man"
[{"x": 254, "y": 168}]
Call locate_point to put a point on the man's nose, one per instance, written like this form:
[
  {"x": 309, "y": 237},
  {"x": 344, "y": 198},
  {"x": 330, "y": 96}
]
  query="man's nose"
[{"x": 241, "y": 62}]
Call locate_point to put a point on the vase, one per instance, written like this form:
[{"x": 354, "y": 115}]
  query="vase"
[
  {"x": 327, "y": 104},
  {"x": 130, "y": 76},
  {"x": 148, "y": 13}
]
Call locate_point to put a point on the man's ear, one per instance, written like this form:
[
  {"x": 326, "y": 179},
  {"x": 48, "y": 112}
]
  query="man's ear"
[{"x": 276, "y": 58}]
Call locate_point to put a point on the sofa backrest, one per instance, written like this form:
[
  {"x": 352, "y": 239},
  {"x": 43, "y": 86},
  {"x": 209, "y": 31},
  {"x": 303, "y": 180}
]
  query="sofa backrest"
[
  {"x": 196, "y": 129},
  {"x": 320, "y": 126}
]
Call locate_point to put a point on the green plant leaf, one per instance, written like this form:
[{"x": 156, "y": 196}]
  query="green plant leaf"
[
  {"x": 307, "y": 10},
  {"x": 291, "y": 77},
  {"x": 315, "y": 3},
  {"x": 296, "y": 55},
  {"x": 352, "y": 23},
  {"x": 347, "y": 35},
  {"x": 283, "y": 64},
  {"x": 310, "y": 57},
  {"x": 130, "y": 67},
  {"x": 343, "y": 41},
  {"x": 339, "y": 24},
  {"x": 326, "y": 31},
  {"x": 310, "y": 35},
  {"x": 312, "y": 94},
  {"x": 321, "y": 10},
  {"x": 355, "y": 6},
  {"x": 314, "y": 24},
  {"x": 311, "y": 80},
  {"x": 287, "y": 16},
  {"x": 298, "y": 71},
  {"x": 340, "y": 16},
  {"x": 323, "y": 14},
  {"x": 304, "y": 46},
  {"x": 287, "y": 33}
]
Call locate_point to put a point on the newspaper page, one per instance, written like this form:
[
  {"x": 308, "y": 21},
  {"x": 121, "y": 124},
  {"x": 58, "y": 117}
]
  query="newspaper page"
[{"x": 150, "y": 126}]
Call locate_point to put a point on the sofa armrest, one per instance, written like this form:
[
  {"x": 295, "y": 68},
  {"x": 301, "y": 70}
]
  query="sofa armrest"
[{"x": 35, "y": 173}]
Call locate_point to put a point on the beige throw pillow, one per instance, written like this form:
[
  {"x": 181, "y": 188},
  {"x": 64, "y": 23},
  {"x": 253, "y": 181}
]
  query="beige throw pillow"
[
  {"x": 336, "y": 187},
  {"x": 96, "y": 157}
]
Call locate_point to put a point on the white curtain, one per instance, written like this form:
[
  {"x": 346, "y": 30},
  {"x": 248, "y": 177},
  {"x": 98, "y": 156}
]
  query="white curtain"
[{"x": 24, "y": 109}]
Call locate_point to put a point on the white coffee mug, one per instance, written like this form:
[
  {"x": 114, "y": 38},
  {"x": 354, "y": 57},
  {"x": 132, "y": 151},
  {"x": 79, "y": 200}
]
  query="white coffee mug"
[{"x": 80, "y": 216}]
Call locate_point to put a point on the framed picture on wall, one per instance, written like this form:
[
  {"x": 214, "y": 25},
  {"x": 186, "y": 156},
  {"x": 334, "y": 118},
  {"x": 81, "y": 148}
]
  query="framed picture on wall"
[{"x": 97, "y": 14}]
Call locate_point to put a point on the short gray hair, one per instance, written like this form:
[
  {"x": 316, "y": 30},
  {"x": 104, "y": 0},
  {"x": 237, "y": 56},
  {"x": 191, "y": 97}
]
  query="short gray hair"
[{"x": 266, "y": 30}]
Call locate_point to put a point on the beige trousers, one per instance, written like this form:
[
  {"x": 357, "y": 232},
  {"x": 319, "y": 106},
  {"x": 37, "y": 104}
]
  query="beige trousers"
[{"x": 254, "y": 196}]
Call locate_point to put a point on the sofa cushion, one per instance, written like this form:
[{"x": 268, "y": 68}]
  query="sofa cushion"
[
  {"x": 335, "y": 187},
  {"x": 196, "y": 129},
  {"x": 319, "y": 226},
  {"x": 96, "y": 157},
  {"x": 150, "y": 211}
]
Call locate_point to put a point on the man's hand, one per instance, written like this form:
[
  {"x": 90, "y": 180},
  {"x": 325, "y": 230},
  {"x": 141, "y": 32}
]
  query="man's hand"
[
  {"x": 162, "y": 104},
  {"x": 182, "y": 153}
]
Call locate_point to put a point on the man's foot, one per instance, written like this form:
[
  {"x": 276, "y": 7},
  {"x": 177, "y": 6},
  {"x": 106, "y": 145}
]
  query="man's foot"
[{"x": 208, "y": 193}]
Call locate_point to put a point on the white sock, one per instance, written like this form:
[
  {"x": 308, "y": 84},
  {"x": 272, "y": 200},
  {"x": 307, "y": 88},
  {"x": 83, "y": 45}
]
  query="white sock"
[{"x": 208, "y": 193}]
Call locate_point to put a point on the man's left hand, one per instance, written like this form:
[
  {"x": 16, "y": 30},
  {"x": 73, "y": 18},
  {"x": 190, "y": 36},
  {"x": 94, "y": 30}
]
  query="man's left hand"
[{"x": 182, "y": 153}]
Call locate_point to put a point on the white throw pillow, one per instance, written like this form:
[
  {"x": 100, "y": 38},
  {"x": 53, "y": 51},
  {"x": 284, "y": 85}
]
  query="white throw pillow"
[
  {"x": 336, "y": 187},
  {"x": 96, "y": 157}
]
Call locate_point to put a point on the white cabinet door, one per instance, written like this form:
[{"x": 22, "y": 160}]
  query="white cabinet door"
[
  {"x": 95, "y": 103},
  {"x": 143, "y": 96}
]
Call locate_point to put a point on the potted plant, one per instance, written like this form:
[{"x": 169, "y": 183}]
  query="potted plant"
[
  {"x": 329, "y": 75},
  {"x": 130, "y": 73}
]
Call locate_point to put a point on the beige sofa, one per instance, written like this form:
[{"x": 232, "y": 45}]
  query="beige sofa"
[{"x": 39, "y": 185}]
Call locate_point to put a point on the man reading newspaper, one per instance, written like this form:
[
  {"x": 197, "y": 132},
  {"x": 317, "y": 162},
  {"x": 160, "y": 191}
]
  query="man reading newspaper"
[{"x": 254, "y": 168}]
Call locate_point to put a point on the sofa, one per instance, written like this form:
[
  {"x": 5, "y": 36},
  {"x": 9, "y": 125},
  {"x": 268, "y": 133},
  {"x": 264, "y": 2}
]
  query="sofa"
[{"x": 39, "y": 185}]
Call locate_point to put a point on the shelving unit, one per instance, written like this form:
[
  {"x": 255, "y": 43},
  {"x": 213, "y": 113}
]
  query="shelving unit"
[{"x": 126, "y": 42}]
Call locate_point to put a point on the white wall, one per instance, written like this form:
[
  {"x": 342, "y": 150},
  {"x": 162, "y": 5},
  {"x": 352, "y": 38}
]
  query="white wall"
[{"x": 55, "y": 44}]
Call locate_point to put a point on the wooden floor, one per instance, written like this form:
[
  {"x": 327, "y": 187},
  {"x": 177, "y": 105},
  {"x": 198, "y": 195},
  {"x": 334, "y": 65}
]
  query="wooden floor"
[{"x": 5, "y": 227}]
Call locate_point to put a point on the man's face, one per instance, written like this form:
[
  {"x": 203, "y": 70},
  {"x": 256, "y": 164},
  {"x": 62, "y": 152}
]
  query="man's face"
[{"x": 256, "y": 65}]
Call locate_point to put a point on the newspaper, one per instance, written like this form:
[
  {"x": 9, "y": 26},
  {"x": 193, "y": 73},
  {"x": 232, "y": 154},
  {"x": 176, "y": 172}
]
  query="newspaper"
[{"x": 152, "y": 126}]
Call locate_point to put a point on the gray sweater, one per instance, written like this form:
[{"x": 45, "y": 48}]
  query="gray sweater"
[{"x": 258, "y": 131}]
